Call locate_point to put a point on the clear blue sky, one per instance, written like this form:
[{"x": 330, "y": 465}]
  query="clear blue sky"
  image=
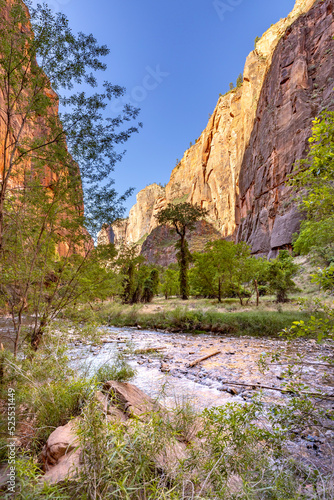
[{"x": 200, "y": 47}]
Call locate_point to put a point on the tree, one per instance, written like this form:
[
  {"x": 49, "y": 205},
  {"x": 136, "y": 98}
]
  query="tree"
[
  {"x": 314, "y": 180},
  {"x": 45, "y": 252},
  {"x": 240, "y": 80},
  {"x": 280, "y": 272},
  {"x": 169, "y": 282},
  {"x": 151, "y": 286},
  {"x": 231, "y": 86},
  {"x": 225, "y": 268},
  {"x": 182, "y": 218}
]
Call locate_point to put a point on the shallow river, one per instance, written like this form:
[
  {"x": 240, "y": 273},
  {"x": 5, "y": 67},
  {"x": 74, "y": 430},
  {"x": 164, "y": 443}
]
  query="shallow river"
[{"x": 166, "y": 374}]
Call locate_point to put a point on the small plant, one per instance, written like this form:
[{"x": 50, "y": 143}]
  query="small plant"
[{"x": 120, "y": 371}]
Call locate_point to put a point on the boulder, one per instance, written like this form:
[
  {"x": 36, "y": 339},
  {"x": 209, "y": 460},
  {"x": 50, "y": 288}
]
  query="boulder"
[
  {"x": 61, "y": 453},
  {"x": 130, "y": 400}
]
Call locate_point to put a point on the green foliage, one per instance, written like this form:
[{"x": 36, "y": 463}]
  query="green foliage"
[
  {"x": 140, "y": 281},
  {"x": 119, "y": 370},
  {"x": 257, "y": 39},
  {"x": 56, "y": 403},
  {"x": 279, "y": 275},
  {"x": 320, "y": 325},
  {"x": 314, "y": 182},
  {"x": 169, "y": 282},
  {"x": 240, "y": 80},
  {"x": 231, "y": 86},
  {"x": 226, "y": 269},
  {"x": 325, "y": 278}
]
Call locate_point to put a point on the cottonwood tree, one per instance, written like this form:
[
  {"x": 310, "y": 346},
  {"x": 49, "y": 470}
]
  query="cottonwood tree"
[
  {"x": 182, "y": 217},
  {"x": 47, "y": 158},
  {"x": 225, "y": 268}
]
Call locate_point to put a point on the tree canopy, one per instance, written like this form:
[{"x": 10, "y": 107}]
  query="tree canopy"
[{"x": 314, "y": 181}]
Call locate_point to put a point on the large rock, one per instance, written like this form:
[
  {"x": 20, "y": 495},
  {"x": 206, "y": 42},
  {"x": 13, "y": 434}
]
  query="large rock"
[
  {"x": 61, "y": 453},
  {"x": 121, "y": 403},
  {"x": 130, "y": 400}
]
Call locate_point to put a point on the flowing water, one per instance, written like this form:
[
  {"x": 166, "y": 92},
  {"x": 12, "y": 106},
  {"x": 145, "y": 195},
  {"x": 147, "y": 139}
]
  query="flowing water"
[{"x": 166, "y": 373}]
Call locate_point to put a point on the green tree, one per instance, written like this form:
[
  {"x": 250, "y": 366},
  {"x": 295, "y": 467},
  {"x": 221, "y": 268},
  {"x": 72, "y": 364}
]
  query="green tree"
[
  {"x": 280, "y": 272},
  {"x": 225, "y": 268},
  {"x": 151, "y": 286},
  {"x": 45, "y": 253},
  {"x": 182, "y": 218},
  {"x": 240, "y": 80},
  {"x": 314, "y": 180},
  {"x": 169, "y": 282},
  {"x": 231, "y": 86}
]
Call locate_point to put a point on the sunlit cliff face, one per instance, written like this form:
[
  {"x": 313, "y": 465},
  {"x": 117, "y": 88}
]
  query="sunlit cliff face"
[{"x": 238, "y": 167}]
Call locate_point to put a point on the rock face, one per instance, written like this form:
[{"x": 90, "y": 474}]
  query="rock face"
[
  {"x": 298, "y": 87},
  {"x": 238, "y": 166}
]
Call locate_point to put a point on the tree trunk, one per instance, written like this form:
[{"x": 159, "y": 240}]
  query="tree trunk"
[
  {"x": 38, "y": 334},
  {"x": 183, "y": 269},
  {"x": 219, "y": 291},
  {"x": 257, "y": 293}
]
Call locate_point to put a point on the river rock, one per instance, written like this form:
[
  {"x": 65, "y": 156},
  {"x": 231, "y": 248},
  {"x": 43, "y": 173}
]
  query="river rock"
[
  {"x": 61, "y": 453},
  {"x": 129, "y": 399}
]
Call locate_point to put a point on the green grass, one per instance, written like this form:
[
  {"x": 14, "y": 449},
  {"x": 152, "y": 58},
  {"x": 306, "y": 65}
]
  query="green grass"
[{"x": 181, "y": 319}]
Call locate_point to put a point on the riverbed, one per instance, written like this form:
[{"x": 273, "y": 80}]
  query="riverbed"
[{"x": 231, "y": 375}]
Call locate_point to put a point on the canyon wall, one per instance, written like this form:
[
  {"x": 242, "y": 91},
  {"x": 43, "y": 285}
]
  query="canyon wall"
[
  {"x": 297, "y": 88},
  {"x": 238, "y": 166}
]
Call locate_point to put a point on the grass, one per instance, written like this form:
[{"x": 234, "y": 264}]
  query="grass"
[{"x": 182, "y": 319}]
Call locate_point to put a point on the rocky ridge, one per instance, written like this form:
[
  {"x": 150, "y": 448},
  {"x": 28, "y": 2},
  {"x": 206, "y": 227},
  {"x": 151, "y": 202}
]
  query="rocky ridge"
[{"x": 238, "y": 166}]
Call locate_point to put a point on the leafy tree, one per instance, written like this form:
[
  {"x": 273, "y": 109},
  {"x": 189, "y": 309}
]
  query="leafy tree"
[
  {"x": 169, "y": 282},
  {"x": 213, "y": 268},
  {"x": 182, "y": 218},
  {"x": 231, "y": 86},
  {"x": 240, "y": 80},
  {"x": 279, "y": 275},
  {"x": 151, "y": 286},
  {"x": 315, "y": 182},
  {"x": 227, "y": 268},
  {"x": 45, "y": 254}
]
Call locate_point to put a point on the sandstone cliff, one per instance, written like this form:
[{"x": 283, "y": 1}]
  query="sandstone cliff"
[{"x": 238, "y": 166}]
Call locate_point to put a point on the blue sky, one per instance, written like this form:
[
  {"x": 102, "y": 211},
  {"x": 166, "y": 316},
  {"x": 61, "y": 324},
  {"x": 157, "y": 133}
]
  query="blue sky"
[{"x": 193, "y": 49}]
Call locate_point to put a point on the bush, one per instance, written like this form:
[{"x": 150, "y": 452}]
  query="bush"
[{"x": 120, "y": 371}]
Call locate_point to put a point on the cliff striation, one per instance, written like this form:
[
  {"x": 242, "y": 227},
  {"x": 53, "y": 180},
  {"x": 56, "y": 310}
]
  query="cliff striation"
[{"x": 238, "y": 167}]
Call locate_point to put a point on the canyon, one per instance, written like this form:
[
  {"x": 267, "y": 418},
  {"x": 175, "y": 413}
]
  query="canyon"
[{"x": 239, "y": 166}]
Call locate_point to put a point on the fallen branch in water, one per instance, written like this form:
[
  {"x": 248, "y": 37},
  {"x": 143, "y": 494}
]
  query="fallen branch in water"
[
  {"x": 194, "y": 363},
  {"x": 283, "y": 391}
]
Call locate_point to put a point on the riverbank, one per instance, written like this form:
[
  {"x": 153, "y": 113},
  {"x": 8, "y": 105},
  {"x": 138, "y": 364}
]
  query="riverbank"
[
  {"x": 280, "y": 445},
  {"x": 197, "y": 316}
]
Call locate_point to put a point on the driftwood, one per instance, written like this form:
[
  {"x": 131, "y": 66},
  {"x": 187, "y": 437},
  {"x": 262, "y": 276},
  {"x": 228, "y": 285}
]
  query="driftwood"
[
  {"x": 194, "y": 363},
  {"x": 283, "y": 391}
]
